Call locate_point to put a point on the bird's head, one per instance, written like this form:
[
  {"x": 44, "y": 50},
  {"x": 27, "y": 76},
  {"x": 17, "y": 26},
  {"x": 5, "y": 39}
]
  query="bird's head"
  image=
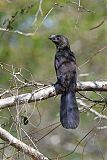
[{"x": 60, "y": 41}]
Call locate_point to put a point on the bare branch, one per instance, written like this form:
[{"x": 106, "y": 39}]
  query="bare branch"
[
  {"x": 34, "y": 32},
  {"x": 99, "y": 115},
  {"x": 49, "y": 91},
  {"x": 92, "y": 86},
  {"x": 100, "y": 24},
  {"x": 33, "y": 153},
  {"x": 96, "y": 53},
  {"x": 38, "y": 11},
  {"x": 81, "y": 7},
  {"x": 17, "y": 31}
]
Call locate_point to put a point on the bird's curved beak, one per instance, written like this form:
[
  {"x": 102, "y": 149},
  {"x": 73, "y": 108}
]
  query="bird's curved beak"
[{"x": 52, "y": 37}]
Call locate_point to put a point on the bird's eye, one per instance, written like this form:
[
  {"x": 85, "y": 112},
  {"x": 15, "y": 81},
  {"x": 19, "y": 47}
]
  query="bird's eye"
[{"x": 58, "y": 38}]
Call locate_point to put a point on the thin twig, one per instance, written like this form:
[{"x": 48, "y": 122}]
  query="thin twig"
[
  {"x": 90, "y": 59},
  {"x": 99, "y": 115},
  {"x": 38, "y": 11},
  {"x": 66, "y": 155},
  {"x": 100, "y": 24}
]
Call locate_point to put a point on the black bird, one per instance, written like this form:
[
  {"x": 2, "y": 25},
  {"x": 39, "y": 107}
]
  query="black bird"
[{"x": 65, "y": 66}]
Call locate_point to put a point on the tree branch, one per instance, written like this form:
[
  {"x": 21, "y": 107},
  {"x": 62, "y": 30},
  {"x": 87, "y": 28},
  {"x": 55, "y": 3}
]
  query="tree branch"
[
  {"x": 33, "y": 153},
  {"x": 49, "y": 91},
  {"x": 37, "y": 95},
  {"x": 92, "y": 86}
]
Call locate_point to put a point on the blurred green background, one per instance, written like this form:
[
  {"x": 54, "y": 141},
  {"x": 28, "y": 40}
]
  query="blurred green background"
[{"x": 35, "y": 56}]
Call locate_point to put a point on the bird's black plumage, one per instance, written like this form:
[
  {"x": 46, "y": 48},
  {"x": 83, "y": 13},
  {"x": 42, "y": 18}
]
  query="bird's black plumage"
[{"x": 65, "y": 66}]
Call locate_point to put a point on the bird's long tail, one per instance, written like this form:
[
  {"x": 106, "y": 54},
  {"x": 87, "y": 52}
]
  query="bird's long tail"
[{"x": 69, "y": 113}]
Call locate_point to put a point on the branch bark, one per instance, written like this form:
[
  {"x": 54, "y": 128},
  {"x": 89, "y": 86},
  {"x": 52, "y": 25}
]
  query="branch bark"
[
  {"x": 33, "y": 153},
  {"x": 49, "y": 91}
]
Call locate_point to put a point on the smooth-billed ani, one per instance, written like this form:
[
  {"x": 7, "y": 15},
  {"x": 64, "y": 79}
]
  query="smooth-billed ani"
[{"x": 65, "y": 66}]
